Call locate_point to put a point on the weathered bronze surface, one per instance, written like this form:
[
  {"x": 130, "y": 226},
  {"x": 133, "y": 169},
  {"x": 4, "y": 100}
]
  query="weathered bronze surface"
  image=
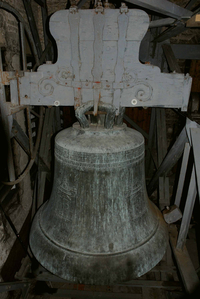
[{"x": 99, "y": 226}]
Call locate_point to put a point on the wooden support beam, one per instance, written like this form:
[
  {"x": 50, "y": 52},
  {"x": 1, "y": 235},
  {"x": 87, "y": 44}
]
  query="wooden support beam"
[
  {"x": 164, "y": 7},
  {"x": 134, "y": 125},
  {"x": 179, "y": 27},
  {"x": 195, "y": 135},
  {"x": 81, "y": 3},
  {"x": 140, "y": 283},
  {"x": 194, "y": 22},
  {"x": 187, "y": 214},
  {"x": 44, "y": 154},
  {"x": 150, "y": 163},
  {"x": 4, "y": 191},
  {"x": 43, "y": 56},
  {"x": 183, "y": 51},
  {"x": 20, "y": 136},
  {"x": 182, "y": 174},
  {"x": 190, "y": 4},
  {"x": 23, "y": 46},
  {"x": 32, "y": 23},
  {"x": 161, "y": 22},
  {"x": 171, "y": 32},
  {"x": 40, "y": 2},
  {"x": 185, "y": 266},
  {"x": 64, "y": 293},
  {"x": 12, "y": 286},
  {"x": 48, "y": 54},
  {"x": 162, "y": 151},
  {"x": 171, "y": 59},
  {"x": 170, "y": 160}
]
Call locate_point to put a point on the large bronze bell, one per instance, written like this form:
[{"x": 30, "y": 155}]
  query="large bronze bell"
[{"x": 99, "y": 226}]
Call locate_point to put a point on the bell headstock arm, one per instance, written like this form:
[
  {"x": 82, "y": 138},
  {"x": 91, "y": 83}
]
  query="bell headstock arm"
[{"x": 98, "y": 61}]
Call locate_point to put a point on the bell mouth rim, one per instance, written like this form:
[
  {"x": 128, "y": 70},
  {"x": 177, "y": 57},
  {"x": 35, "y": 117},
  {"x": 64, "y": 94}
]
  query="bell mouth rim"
[
  {"x": 136, "y": 262},
  {"x": 75, "y": 252}
]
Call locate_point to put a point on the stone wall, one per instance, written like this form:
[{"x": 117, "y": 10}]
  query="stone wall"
[{"x": 19, "y": 206}]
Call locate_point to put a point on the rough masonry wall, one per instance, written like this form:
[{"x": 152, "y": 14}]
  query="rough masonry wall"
[{"x": 20, "y": 204}]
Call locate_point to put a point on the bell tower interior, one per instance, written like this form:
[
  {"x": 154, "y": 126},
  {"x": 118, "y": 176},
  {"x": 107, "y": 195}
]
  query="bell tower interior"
[{"x": 100, "y": 142}]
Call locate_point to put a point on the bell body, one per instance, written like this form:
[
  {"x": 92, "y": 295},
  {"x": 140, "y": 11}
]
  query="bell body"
[{"x": 99, "y": 226}]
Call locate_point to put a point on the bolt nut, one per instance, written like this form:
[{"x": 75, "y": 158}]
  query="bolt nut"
[
  {"x": 134, "y": 102},
  {"x": 56, "y": 103}
]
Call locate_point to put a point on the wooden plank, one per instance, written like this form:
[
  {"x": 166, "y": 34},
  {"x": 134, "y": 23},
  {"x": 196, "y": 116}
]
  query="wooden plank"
[
  {"x": 17, "y": 252},
  {"x": 194, "y": 21},
  {"x": 190, "y": 4},
  {"x": 161, "y": 22},
  {"x": 11, "y": 286},
  {"x": 171, "y": 32},
  {"x": 150, "y": 293},
  {"x": 4, "y": 191},
  {"x": 163, "y": 268},
  {"x": 195, "y": 135},
  {"x": 34, "y": 198},
  {"x": 182, "y": 174},
  {"x": 195, "y": 73},
  {"x": 45, "y": 154},
  {"x": 187, "y": 214},
  {"x": 170, "y": 159},
  {"x": 89, "y": 294},
  {"x": 144, "y": 283},
  {"x": 164, "y": 7},
  {"x": 170, "y": 263},
  {"x": 184, "y": 51},
  {"x": 23, "y": 46},
  {"x": 44, "y": 151},
  {"x": 41, "y": 187},
  {"x": 145, "y": 293},
  {"x": 57, "y": 120},
  {"x": 171, "y": 59},
  {"x": 185, "y": 266},
  {"x": 164, "y": 275},
  {"x": 151, "y": 141},
  {"x": 173, "y": 285},
  {"x": 33, "y": 26},
  {"x": 162, "y": 150},
  {"x": 48, "y": 53},
  {"x": 20, "y": 136}
]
